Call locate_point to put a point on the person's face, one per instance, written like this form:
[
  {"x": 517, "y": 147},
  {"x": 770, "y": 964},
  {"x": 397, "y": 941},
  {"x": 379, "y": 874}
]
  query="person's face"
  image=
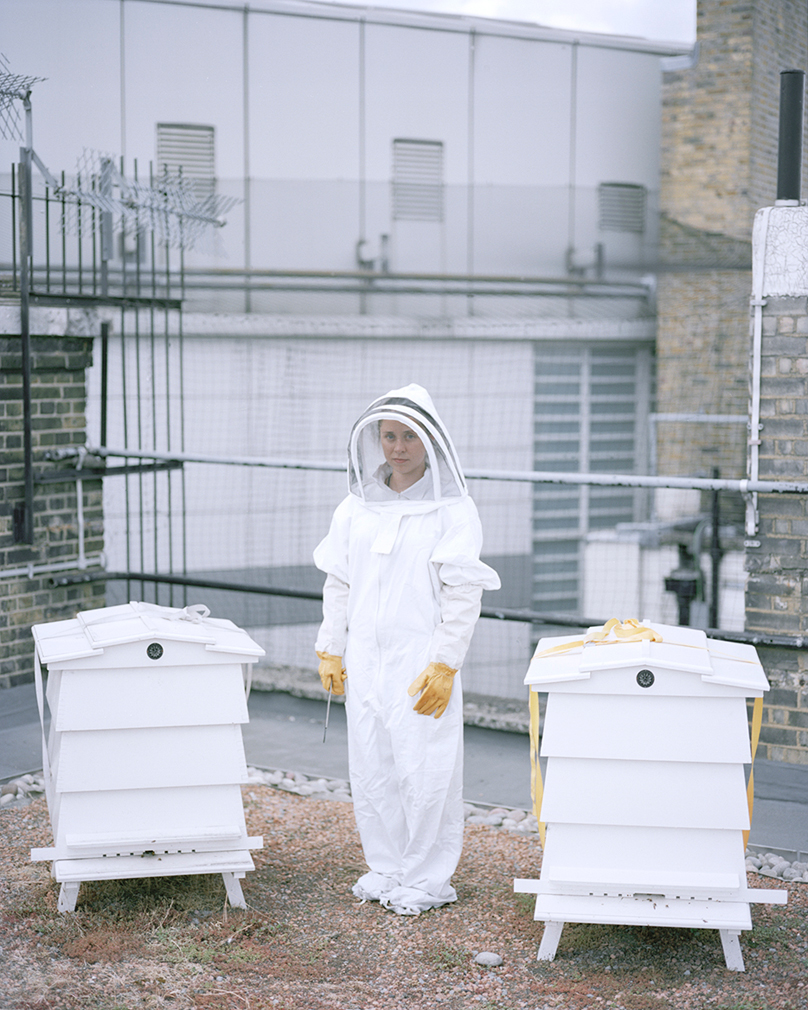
[{"x": 405, "y": 453}]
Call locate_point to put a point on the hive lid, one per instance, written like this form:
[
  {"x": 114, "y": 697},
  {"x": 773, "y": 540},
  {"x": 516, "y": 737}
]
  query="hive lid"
[
  {"x": 93, "y": 631},
  {"x": 559, "y": 660}
]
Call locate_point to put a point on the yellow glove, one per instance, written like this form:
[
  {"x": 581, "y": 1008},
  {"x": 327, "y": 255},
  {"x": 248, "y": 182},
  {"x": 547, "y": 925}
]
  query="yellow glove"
[
  {"x": 436, "y": 683},
  {"x": 332, "y": 673}
]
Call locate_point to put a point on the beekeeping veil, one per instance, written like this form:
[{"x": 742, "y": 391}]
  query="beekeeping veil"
[{"x": 412, "y": 405}]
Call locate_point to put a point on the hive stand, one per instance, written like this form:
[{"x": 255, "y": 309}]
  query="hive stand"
[
  {"x": 144, "y": 760},
  {"x": 645, "y": 799}
]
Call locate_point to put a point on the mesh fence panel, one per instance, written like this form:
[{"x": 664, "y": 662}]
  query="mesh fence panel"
[{"x": 295, "y": 398}]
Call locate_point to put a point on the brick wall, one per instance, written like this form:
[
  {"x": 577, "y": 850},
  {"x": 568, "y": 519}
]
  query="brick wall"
[
  {"x": 702, "y": 368},
  {"x": 58, "y": 419},
  {"x": 719, "y": 166},
  {"x": 777, "y": 586}
]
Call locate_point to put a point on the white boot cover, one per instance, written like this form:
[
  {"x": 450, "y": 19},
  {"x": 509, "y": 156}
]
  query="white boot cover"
[
  {"x": 372, "y": 886},
  {"x": 412, "y": 901}
]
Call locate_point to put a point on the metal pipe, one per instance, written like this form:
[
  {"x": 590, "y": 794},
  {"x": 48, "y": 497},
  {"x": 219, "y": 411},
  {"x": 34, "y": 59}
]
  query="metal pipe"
[
  {"x": 31, "y": 570},
  {"x": 715, "y": 555},
  {"x": 13, "y": 227},
  {"x": 245, "y": 133},
  {"x": 104, "y": 379},
  {"x": 759, "y": 236},
  {"x": 82, "y": 561},
  {"x": 789, "y": 151},
  {"x": 393, "y": 289},
  {"x": 25, "y": 338},
  {"x": 370, "y": 275},
  {"x": 524, "y": 476},
  {"x": 499, "y": 614}
]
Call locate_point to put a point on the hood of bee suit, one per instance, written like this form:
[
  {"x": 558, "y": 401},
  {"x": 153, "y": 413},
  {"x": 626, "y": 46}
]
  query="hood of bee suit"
[{"x": 443, "y": 481}]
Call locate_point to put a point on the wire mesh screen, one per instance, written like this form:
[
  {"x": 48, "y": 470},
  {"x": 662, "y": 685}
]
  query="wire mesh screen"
[{"x": 515, "y": 405}]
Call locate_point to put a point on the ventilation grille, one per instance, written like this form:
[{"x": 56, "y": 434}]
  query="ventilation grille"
[
  {"x": 190, "y": 150},
  {"x": 417, "y": 180},
  {"x": 622, "y": 207},
  {"x": 589, "y": 407}
]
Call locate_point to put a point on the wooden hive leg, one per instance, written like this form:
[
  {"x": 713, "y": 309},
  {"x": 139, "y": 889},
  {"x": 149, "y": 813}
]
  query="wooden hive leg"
[
  {"x": 549, "y": 941},
  {"x": 234, "y": 892},
  {"x": 732, "y": 949},
  {"x": 68, "y": 896}
]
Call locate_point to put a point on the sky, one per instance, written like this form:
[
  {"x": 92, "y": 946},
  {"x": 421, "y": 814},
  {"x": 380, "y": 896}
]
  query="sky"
[{"x": 661, "y": 20}]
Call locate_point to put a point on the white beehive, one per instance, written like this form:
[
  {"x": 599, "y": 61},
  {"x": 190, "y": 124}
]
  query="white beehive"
[
  {"x": 645, "y": 799},
  {"x": 144, "y": 760}
]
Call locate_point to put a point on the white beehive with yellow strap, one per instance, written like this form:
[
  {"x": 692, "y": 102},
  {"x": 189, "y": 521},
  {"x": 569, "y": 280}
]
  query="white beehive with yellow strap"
[
  {"x": 144, "y": 759},
  {"x": 645, "y": 811}
]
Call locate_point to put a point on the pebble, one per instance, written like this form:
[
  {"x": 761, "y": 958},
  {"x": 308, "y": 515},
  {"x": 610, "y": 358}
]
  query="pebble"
[
  {"x": 509, "y": 819},
  {"x": 487, "y": 959},
  {"x": 20, "y": 791},
  {"x": 772, "y": 864}
]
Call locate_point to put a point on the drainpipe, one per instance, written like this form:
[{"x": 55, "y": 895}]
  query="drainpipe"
[
  {"x": 761, "y": 228},
  {"x": 26, "y": 533},
  {"x": 789, "y": 175},
  {"x": 789, "y": 151}
]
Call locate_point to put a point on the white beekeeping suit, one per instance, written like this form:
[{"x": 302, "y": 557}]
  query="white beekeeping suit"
[{"x": 403, "y": 589}]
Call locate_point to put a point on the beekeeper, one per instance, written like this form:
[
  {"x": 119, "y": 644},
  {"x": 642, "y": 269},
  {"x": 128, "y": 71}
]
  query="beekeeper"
[{"x": 401, "y": 598}]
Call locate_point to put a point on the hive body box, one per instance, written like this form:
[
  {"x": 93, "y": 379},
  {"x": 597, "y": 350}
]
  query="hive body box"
[
  {"x": 144, "y": 760},
  {"x": 645, "y": 795}
]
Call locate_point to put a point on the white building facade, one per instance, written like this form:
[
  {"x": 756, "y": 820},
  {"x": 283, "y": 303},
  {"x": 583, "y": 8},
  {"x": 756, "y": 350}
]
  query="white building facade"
[{"x": 462, "y": 202}]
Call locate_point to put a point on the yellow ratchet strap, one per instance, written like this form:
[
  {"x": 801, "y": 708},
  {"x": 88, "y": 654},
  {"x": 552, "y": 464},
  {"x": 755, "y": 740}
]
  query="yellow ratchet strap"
[
  {"x": 536, "y": 783},
  {"x": 612, "y": 632},
  {"x": 757, "y": 719}
]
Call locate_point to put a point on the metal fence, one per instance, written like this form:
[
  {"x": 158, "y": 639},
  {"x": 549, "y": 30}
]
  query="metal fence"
[{"x": 559, "y": 432}]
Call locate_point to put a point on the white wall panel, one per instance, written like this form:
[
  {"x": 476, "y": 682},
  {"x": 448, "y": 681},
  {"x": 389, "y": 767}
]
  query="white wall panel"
[
  {"x": 652, "y": 794},
  {"x": 416, "y": 87},
  {"x": 76, "y": 48},
  {"x": 183, "y": 65},
  {"x": 604, "y": 845},
  {"x": 304, "y": 98},
  {"x": 521, "y": 112},
  {"x": 166, "y": 812},
  {"x": 628, "y": 911},
  {"x": 618, "y": 117},
  {"x": 147, "y": 758},
  {"x": 157, "y": 696},
  {"x": 642, "y": 728}
]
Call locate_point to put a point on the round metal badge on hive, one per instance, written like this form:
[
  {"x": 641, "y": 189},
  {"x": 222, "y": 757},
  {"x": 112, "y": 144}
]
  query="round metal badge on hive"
[
  {"x": 645, "y": 678},
  {"x": 154, "y": 651}
]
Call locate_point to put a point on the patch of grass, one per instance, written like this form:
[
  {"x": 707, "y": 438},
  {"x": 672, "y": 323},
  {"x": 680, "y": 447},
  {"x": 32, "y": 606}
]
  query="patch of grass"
[
  {"x": 525, "y": 904},
  {"x": 245, "y": 955},
  {"x": 446, "y": 956},
  {"x": 177, "y": 947},
  {"x": 765, "y": 935}
]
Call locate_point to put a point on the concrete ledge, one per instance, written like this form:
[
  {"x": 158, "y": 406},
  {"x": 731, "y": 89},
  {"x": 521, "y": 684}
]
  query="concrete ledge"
[{"x": 508, "y": 714}]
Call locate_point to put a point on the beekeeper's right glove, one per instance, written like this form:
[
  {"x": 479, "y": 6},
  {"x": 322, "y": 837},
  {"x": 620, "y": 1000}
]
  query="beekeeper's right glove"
[
  {"x": 436, "y": 683},
  {"x": 332, "y": 673}
]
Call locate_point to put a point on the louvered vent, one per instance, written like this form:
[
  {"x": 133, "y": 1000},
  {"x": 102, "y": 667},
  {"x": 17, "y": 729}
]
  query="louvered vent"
[
  {"x": 590, "y": 408},
  {"x": 622, "y": 207},
  {"x": 181, "y": 146},
  {"x": 417, "y": 180}
]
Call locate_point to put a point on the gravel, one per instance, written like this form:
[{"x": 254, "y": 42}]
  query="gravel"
[
  {"x": 771, "y": 864},
  {"x": 305, "y": 943}
]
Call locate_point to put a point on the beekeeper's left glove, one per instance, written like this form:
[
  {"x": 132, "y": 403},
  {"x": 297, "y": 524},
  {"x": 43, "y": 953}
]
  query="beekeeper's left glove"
[
  {"x": 332, "y": 673},
  {"x": 436, "y": 684}
]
